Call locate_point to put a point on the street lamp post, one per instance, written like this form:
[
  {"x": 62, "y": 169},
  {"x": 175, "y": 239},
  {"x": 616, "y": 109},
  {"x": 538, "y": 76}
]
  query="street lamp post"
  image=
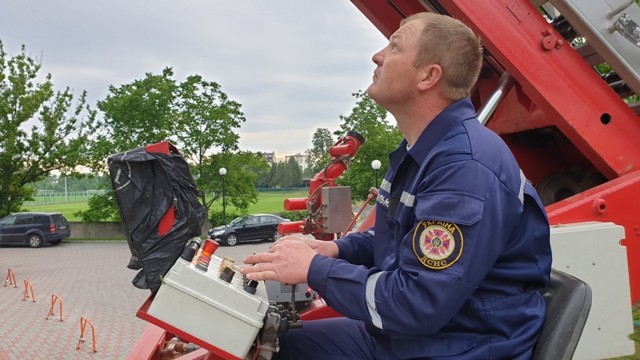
[
  {"x": 376, "y": 164},
  {"x": 222, "y": 173}
]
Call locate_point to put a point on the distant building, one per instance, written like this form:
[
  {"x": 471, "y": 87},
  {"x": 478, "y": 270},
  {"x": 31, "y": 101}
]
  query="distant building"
[
  {"x": 269, "y": 156},
  {"x": 301, "y": 159}
]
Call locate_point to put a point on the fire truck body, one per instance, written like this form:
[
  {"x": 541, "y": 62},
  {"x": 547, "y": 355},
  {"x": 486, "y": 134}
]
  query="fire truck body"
[
  {"x": 568, "y": 125},
  {"x": 574, "y": 135}
]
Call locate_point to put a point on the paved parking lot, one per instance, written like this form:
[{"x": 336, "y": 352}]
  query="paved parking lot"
[{"x": 92, "y": 281}]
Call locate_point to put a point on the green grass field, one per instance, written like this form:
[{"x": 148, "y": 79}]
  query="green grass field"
[
  {"x": 268, "y": 202},
  {"x": 66, "y": 209}
]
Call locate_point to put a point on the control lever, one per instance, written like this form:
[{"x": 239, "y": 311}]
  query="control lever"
[{"x": 294, "y": 322}]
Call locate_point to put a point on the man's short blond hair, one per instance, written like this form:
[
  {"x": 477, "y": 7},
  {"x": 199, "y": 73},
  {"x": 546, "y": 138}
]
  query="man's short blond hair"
[{"x": 451, "y": 44}]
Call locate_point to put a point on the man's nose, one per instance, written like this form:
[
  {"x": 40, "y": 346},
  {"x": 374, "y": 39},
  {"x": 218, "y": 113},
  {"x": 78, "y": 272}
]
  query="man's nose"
[{"x": 377, "y": 58}]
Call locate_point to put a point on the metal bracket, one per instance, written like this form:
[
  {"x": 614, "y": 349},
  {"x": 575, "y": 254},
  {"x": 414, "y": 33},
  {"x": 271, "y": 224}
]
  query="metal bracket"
[{"x": 628, "y": 28}]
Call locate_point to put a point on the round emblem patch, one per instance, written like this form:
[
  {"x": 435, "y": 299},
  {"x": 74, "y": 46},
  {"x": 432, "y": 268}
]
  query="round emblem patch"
[{"x": 437, "y": 244}]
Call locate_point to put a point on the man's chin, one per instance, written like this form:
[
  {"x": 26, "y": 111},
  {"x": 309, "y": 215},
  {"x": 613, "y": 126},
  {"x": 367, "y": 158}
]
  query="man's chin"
[
  {"x": 371, "y": 90},
  {"x": 372, "y": 93}
]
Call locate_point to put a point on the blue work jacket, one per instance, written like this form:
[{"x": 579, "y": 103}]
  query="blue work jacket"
[{"x": 459, "y": 250}]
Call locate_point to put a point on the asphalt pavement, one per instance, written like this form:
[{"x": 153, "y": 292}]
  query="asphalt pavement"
[{"x": 91, "y": 281}]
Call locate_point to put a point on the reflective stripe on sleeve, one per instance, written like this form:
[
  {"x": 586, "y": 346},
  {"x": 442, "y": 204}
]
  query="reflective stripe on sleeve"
[
  {"x": 523, "y": 181},
  {"x": 407, "y": 199},
  {"x": 370, "y": 293},
  {"x": 386, "y": 186}
]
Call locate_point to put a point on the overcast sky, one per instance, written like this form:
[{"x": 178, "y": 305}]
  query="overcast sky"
[{"x": 293, "y": 64}]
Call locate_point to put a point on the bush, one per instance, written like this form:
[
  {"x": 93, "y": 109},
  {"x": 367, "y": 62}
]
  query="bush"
[
  {"x": 216, "y": 217},
  {"x": 294, "y": 215}
]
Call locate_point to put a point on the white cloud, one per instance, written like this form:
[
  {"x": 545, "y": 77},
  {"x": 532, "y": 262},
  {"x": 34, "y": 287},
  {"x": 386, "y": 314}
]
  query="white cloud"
[{"x": 291, "y": 64}]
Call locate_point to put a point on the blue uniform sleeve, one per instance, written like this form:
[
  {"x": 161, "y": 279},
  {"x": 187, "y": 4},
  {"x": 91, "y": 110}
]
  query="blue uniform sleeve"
[
  {"x": 357, "y": 248},
  {"x": 464, "y": 218}
]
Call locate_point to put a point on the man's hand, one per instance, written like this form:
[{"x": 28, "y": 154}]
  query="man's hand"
[
  {"x": 287, "y": 261},
  {"x": 322, "y": 247}
]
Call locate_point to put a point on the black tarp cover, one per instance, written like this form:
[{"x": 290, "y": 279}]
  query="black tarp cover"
[{"x": 146, "y": 185}]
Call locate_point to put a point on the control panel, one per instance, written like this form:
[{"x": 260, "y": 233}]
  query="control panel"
[{"x": 207, "y": 299}]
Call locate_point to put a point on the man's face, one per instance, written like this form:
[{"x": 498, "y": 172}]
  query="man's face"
[{"x": 395, "y": 77}]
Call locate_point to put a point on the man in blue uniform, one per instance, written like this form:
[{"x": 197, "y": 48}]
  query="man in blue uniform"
[{"x": 460, "y": 245}]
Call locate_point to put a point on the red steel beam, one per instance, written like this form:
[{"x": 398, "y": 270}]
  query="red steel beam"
[
  {"x": 614, "y": 202},
  {"x": 554, "y": 87},
  {"x": 572, "y": 95}
]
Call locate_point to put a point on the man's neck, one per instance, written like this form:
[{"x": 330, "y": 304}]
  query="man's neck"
[{"x": 414, "y": 119}]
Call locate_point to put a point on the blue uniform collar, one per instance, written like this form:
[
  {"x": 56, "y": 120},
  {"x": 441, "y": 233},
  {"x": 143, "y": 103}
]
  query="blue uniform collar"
[{"x": 453, "y": 115}]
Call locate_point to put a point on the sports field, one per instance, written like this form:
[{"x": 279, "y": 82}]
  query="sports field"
[{"x": 268, "y": 202}]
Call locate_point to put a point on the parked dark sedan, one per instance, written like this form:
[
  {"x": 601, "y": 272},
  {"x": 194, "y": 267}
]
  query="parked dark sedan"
[
  {"x": 34, "y": 229},
  {"x": 248, "y": 228}
]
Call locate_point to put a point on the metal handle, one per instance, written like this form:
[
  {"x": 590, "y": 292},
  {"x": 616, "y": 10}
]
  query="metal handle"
[
  {"x": 619, "y": 9},
  {"x": 504, "y": 85}
]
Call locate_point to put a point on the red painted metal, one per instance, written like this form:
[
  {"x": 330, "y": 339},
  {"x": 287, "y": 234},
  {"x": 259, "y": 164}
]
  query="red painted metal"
[
  {"x": 215, "y": 353},
  {"x": 152, "y": 342},
  {"x": 559, "y": 81},
  {"x": 341, "y": 154},
  {"x": 149, "y": 345},
  {"x": 318, "y": 310},
  {"x": 615, "y": 201},
  {"x": 560, "y": 115},
  {"x": 169, "y": 216}
]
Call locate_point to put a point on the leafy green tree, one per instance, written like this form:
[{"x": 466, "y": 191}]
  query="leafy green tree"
[
  {"x": 195, "y": 115},
  {"x": 276, "y": 174},
  {"x": 318, "y": 155},
  {"x": 308, "y": 173},
  {"x": 293, "y": 173},
  {"x": 101, "y": 207},
  {"x": 264, "y": 177},
  {"x": 243, "y": 168},
  {"x": 206, "y": 119},
  {"x": 136, "y": 114},
  {"x": 41, "y": 129},
  {"x": 369, "y": 120},
  {"x": 286, "y": 174}
]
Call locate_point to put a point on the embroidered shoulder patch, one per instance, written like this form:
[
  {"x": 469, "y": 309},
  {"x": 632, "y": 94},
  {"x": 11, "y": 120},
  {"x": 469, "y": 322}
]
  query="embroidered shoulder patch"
[{"x": 437, "y": 244}]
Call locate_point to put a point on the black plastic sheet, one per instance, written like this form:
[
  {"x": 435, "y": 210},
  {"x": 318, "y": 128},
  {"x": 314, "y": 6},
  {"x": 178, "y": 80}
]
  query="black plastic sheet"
[{"x": 146, "y": 185}]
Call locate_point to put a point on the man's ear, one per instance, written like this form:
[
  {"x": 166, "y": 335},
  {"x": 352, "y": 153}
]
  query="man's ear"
[{"x": 429, "y": 76}]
